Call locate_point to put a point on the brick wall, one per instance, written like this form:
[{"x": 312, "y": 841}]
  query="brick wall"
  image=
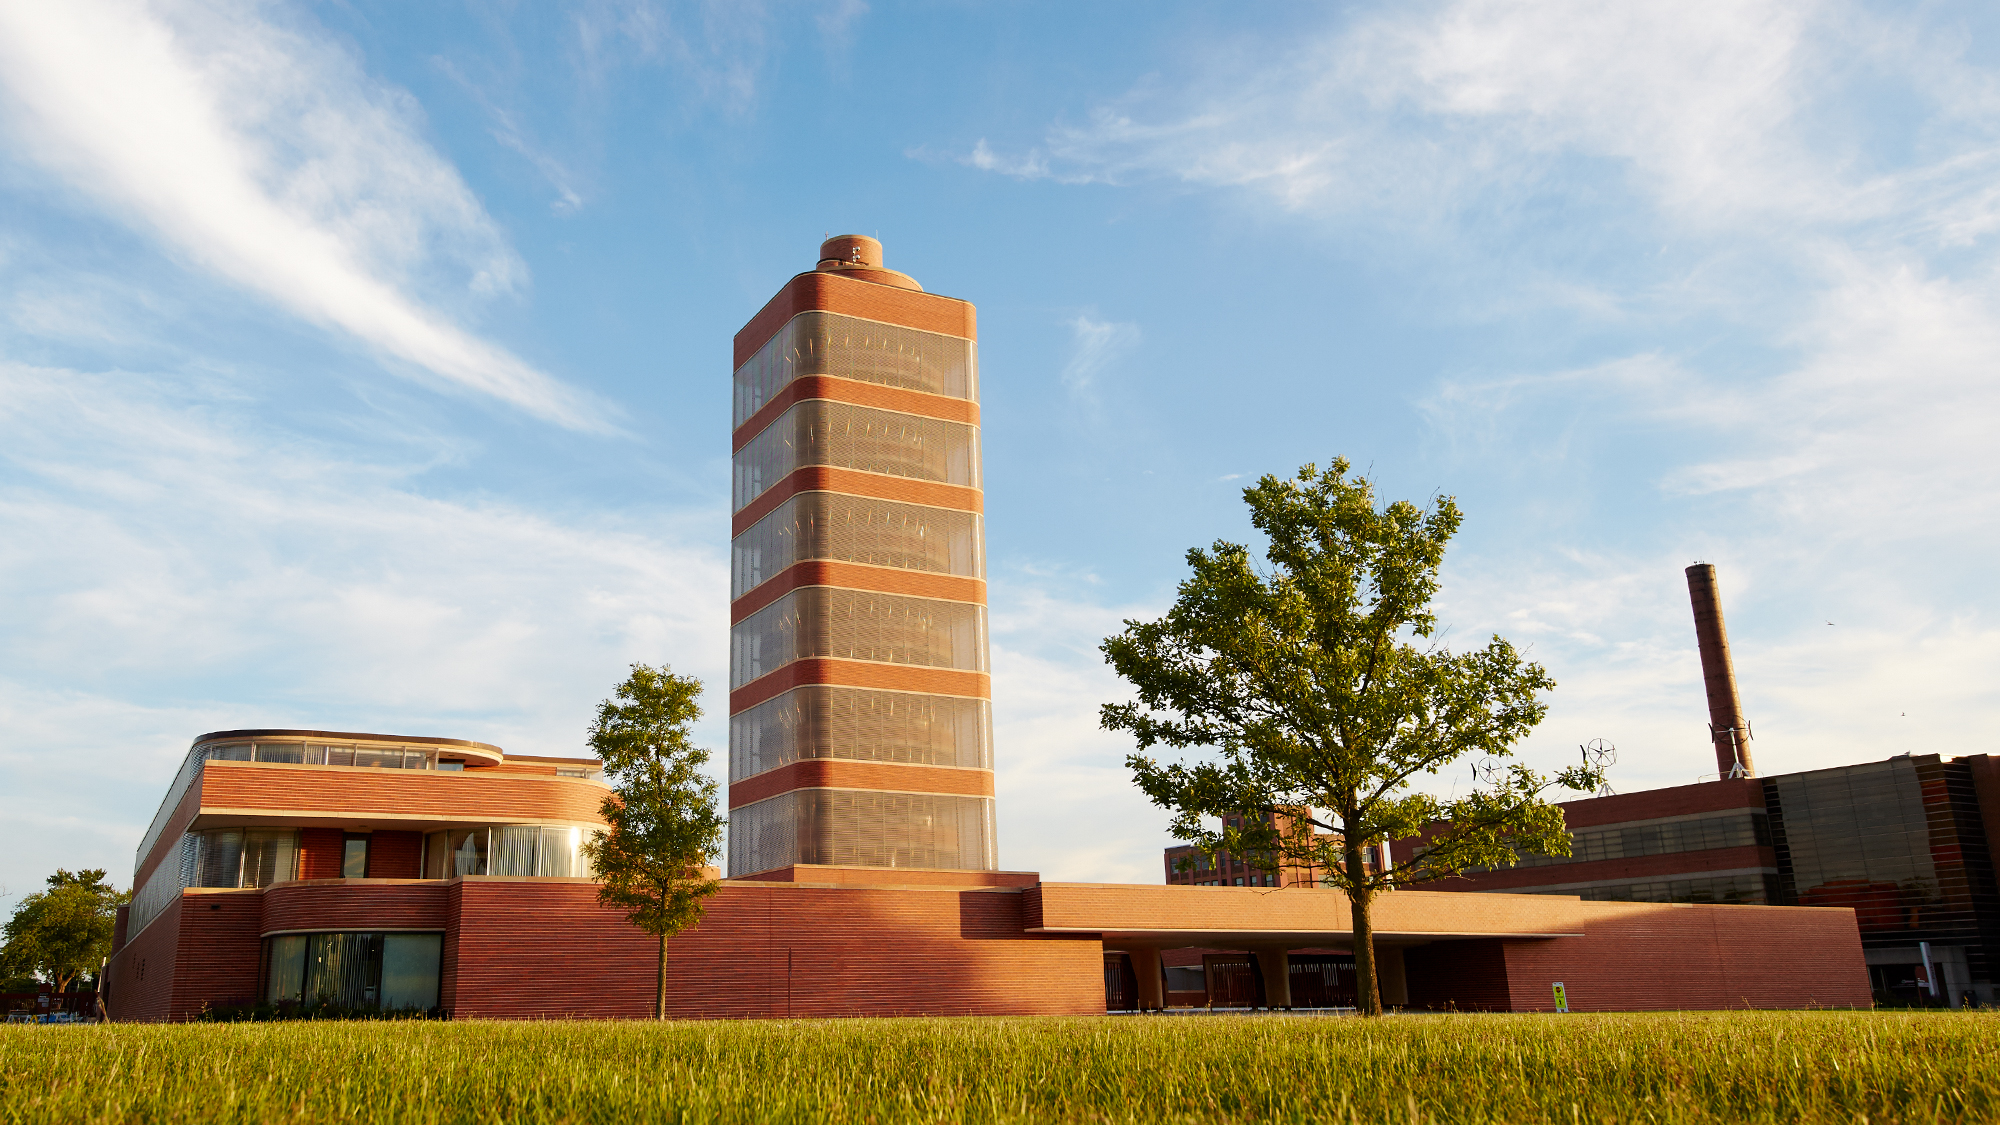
[
  {"x": 1654, "y": 957},
  {"x": 851, "y": 297},
  {"x": 321, "y": 851},
  {"x": 392, "y": 794},
  {"x": 396, "y": 855}
]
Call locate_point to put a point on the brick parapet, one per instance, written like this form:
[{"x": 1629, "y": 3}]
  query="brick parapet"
[
  {"x": 856, "y": 576},
  {"x": 825, "y": 292},
  {"x": 854, "y": 392},
  {"x": 854, "y": 482},
  {"x": 843, "y": 773},
  {"x": 860, "y": 673}
]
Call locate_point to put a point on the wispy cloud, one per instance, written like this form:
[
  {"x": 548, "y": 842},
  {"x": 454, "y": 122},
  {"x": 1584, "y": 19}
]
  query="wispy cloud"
[
  {"x": 1095, "y": 347},
  {"x": 267, "y": 157},
  {"x": 176, "y": 562},
  {"x": 1801, "y": 330}
]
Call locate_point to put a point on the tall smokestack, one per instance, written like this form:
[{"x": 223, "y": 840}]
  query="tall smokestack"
[{"x": 1726, "y": 726}]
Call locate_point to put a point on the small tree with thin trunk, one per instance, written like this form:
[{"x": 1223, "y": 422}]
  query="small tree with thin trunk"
[
  {"x": 1318, "y": 688},
  {"x": 662, "y": 824},
  {"x": 63, "y": 933}
]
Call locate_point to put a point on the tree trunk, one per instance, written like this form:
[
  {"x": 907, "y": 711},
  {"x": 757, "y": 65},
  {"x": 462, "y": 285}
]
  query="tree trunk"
[
  {"x": 660, "y": 990},
  {"x": 1367, "y": 990}
]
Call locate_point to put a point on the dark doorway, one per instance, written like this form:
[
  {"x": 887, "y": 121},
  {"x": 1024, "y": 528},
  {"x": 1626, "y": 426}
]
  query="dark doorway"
[
  {"x": 1121, "y": 984},
  {"x": 1322, "y": 980},
  {"x": 1232, "y": 980}
]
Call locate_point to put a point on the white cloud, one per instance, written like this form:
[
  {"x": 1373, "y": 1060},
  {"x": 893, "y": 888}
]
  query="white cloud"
[
  {"x": 270, "y": 159},
  {"x": 1066, "y": 801},
  {"x": 1801, "y": 197},
  {"x": 1095, "y": 346},
  {"x": 176, "y": 564}
]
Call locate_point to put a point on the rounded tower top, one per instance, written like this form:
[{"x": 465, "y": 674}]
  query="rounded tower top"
[{"x": 860, "y": 257}]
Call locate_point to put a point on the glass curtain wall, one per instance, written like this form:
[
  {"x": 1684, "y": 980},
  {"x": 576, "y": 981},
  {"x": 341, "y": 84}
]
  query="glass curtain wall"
[
  {"x": 244, "y": 857},
  {"x": 384, "y": 971},
  {"x": 537, "y": 850}
]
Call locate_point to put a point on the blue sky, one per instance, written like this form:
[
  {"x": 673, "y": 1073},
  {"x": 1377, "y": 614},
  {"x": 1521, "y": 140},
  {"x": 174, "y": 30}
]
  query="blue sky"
[{"x": 364, "y": 366}]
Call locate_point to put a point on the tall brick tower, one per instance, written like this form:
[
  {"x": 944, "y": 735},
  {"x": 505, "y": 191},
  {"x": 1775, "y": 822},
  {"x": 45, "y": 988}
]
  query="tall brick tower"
[{"x": 860, "y": 722}]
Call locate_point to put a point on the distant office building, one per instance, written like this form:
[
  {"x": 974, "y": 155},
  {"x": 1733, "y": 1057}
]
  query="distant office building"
[
  {"x": 1186, "y": 866},
  {"x": 1904, "y": 842}
]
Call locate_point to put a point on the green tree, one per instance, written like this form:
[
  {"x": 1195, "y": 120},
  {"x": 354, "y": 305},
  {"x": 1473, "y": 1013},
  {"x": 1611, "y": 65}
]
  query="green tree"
[
  {"x": 663, "y": 825},
  {"x": 63, "y": 933},
  {"x": 1318, "y": 687}
]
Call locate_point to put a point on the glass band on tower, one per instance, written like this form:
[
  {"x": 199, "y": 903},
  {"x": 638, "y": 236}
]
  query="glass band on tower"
[{"x": 860, "y": 715}]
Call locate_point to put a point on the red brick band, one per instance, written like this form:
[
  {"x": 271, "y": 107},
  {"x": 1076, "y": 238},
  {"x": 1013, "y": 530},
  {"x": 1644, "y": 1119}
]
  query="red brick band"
[
  {"x": 857, "y": 393},
  {"x": 879, "y": 486},
  {"x": 826, "y": 292},
  {"x": 846, "y": 773},
  {"x": 858, "y": 673},
  {"x": 856, "y": 576}
]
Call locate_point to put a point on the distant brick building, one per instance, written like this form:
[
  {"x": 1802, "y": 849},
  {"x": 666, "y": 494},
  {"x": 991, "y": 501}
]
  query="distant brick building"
[{"x": 1905, "y": 843}]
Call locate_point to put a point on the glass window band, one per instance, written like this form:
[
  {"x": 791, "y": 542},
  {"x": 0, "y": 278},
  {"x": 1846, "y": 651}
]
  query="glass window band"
[
  {"x": 841, "y": 624},
  {"x": 856, "y": 529},
  {"x": 861, "y": 438},
  {"x": 847, "y": 347},
  {"x": 861, "y": 724}
]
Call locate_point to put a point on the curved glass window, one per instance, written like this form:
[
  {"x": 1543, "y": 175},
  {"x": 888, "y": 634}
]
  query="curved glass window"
[
  {"x": 837, "y": 434},
  {"x": 539, "y": 850},
  {"x": 856, "y": 529},
  {"x": 325, "y": 754},
  {"x": 846, "y": 347},
  {"x": 384, "y": 971}
]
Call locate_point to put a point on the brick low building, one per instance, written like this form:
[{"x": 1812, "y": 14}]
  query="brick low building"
[
  {"x": 1905, "y": 843},
  {"x": 290, "y": 866},
  {"x": 386, "y": 872}
]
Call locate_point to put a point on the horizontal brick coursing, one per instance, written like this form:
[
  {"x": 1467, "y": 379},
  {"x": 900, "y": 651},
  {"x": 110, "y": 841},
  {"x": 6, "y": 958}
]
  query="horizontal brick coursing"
[
  {"x": 1681, "y": 800},
  {"x": 1663, "y": 957},
  {"x": 856, "y": 673},
  {"x": 855, "y": 576},
  {"x": 845, "y": 876},
  {"x": 854, "y": 482},
  {"x": 398, "y": 794},
  {"x": 395, "y": 855},
  {"x": 141, "y": 973},
  {"x": 858, "y": 393},
  {"x": 827, "y": 292},
  {"x": 354, "y": 905},
  {"x": 839, "y": 773},
  {"x": 216, "y": 957},
  {"x": 1672, "y": 865},
  {"x": 321, "y": 853}
]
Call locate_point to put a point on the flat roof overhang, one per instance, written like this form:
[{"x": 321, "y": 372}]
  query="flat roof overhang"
[
  {"x": 1227, "y": 916},
  {"x": 1228, "y": 938}
]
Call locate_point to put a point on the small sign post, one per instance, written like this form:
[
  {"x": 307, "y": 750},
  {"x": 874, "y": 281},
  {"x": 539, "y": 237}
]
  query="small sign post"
[{"x": 1562, "y": 997}]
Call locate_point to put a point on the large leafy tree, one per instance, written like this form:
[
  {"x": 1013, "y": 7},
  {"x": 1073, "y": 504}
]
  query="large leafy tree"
[
  {"x": 63, "y": 933},
  {"x": 663, "y": 827},
  {"x": 1321, "y": 698}
]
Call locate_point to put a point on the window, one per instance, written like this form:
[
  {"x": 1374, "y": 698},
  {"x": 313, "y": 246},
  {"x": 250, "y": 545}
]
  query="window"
[
  {"x": 452, "y": 766},
  {"x": 354, "y": 858},
  {"x": 354, "y": 970}
]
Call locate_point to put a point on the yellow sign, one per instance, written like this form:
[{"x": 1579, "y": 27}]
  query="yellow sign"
[{"x": 1562, "y": 997}]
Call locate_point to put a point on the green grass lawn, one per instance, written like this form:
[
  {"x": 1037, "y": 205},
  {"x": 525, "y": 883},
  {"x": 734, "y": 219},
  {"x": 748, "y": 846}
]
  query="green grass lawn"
[{"x": 1759, "y": 1066}]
